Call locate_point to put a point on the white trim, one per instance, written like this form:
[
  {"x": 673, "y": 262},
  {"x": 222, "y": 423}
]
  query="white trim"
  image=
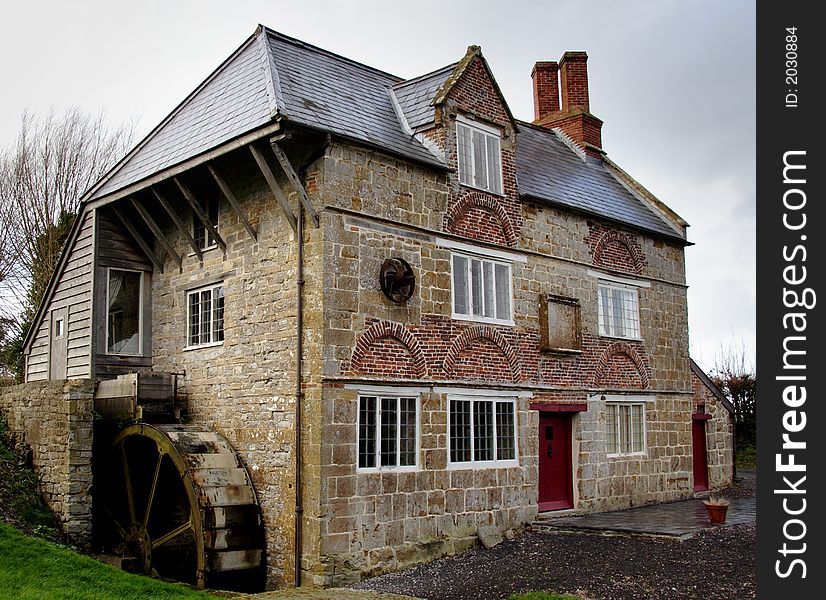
[
  {"x": 397, "y": 468},
  {"x": 479, "y": 250},
  {"x": 389, "y": 389},
  {"x": 212, "y": 310},
  {"x": 140, "y": 312},
  {"x": 487, "y": 393},
  {"x": 481, "y": 318},
  {"x": 609, "y": 311},
  {"x": 483, "y": 464},
  {"x": 641, "y": 401},
  {"x": 484, "y": 127},
  {"x": 624, "y": 280},
  {"x": 487, "y": 131}
]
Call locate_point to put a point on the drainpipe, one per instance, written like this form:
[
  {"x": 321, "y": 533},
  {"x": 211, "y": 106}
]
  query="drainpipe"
[{"x": 299, "y": 394}]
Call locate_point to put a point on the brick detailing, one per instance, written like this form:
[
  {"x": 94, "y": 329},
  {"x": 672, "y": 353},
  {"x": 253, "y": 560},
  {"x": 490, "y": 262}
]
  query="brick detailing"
[
  {"x": 457, "y": 363},
  {"x": 615, "y": 250},
  {"x": 620, "y": 366},
  {"x": 387, "y": 348},
  {"x": 481, "y": 217}
]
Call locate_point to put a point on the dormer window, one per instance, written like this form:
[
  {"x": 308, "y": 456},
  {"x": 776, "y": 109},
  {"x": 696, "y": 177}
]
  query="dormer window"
[{"x": 480, "y": 155}]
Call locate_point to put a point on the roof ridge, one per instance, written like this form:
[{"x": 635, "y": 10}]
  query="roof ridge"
[
  {"x": 274, "y": 95},
  {"x": 420, "y": 78},
  {"x": 297, "y": 42}
]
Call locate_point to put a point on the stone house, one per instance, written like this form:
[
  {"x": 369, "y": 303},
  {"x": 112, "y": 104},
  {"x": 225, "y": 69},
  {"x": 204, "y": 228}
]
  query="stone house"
[{"x": 409, "y": 314}]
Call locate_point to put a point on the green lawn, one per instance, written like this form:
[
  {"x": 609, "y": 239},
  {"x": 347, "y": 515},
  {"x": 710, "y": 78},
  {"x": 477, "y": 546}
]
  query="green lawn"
[{"x": 32, "y": 569}]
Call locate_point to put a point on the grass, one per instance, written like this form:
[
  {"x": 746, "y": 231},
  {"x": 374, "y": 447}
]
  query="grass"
[
  {"x": 20, "y": 500},
  {"x": 34, "y": 569},
  {"x": 543, "y": 596}
]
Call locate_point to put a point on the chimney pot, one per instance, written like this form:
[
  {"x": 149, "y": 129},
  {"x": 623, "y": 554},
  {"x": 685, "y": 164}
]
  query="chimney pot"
[{"x": 545, "y": 75}]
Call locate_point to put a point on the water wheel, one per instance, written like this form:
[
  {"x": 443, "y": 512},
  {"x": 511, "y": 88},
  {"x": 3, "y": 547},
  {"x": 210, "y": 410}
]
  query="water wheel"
[{"x": 180, "y": 503}]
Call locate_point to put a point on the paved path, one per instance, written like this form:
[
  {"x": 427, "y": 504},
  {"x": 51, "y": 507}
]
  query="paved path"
[{"x": 682, "y": 519}]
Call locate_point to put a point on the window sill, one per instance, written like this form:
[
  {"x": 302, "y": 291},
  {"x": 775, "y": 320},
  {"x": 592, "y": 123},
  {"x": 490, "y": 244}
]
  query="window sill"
[
  {"x": 482, "y": 464},
  {"x": 562, "y": 351},
  {"x": 620, "y": 337},
  {"x": 478, "y": 189},
  {"x": 367, "y": 470},
  {"x": 487, "y": 320},
  {"x": 200, "y": 346},
  {"x": 627, "y": 455},
  {"x": 207, "y": 249}
]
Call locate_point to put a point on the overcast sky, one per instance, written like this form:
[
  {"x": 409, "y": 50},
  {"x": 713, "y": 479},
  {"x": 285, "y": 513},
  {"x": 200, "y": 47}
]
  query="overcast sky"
[{"x": 673, "y": 80}]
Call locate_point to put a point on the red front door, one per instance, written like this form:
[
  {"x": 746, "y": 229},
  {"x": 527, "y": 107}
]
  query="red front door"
[
  {"x": 555, "y": 489},
  {"x": 698, "y": 438}
]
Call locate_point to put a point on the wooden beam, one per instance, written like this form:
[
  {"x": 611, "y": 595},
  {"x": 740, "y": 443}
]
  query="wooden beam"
[
  {"x": 236, "y": 206},
  {"x": 273, "y": 183},
  {"x": 137, "y": 237},
  {"x": 294, "y": 179},
  {"x": 199, "y": 212},
  {"x": 180, "y": 224},
  {"x": 156, "y": 230}
]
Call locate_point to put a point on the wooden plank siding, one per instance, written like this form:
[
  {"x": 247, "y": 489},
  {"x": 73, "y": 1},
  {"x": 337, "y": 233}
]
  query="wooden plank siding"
[
  {"x": 116, "y": 249},
  {"x": 73, "y": 292}
]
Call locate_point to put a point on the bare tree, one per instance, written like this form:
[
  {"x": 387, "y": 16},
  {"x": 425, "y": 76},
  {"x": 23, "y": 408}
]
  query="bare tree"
[
  {"x": 43, "y": 175},
  {"x": 737, "y": 379}
]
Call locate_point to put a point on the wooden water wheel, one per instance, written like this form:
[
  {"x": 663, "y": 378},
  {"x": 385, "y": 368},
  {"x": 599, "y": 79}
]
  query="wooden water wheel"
[{"x": 179, "y": 501}]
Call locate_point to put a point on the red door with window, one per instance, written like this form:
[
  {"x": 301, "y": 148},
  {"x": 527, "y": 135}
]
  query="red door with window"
[
  {"x": 555, "y": 489},
  {"x": 698, "y": 438}
]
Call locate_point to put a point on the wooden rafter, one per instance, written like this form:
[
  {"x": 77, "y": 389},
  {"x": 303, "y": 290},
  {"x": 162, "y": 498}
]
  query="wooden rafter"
[
  {"x": 179, "y": 224},
  {"x": 273, "y": 183},
  {"x": 199, "y": 212},
  {"x": 294, "y": 180},
  {"x": 156, "y": 230},
  {"x": 137, "y": 237},
  {"x": 233, "y": 201}
]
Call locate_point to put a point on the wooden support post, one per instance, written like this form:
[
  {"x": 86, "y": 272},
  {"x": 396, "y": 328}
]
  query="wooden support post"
[
  {"x": 273, "y": 183},
  {"x": 157, "y": 231},
  {"x": 233, "y": 201},
  {"x": 295, "y": 180},
  {"x": 180, "y": 224},
  {"x": 199, "y": 212},
  {"x": 137, "y": 237}
]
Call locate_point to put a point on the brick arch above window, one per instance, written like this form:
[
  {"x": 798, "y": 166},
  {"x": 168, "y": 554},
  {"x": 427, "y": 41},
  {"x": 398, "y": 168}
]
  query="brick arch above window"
[
  {"x": 617, "y": 251},
  {"x": 469, "y": 336},
  {"x": 621, "y": 366},
  {"x": 365, "y": 360},
  {"x": 458, "y": 219}
]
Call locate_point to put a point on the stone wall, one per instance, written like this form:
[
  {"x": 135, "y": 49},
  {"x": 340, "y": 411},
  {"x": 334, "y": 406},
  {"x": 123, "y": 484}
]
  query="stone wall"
[
  {"x": 719, "y": 434},
  {"x": 54, "y": 419}
]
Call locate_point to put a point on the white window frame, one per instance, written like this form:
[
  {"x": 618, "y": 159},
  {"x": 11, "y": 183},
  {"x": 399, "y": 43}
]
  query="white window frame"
[
  {"x": 473, "y": 463},
  {"x": 212, "y": 288},
  {"x": 396, "y": 395},
  {"x": 609, "y": 311},
  {"x": 140, "y": 311},
  {"x": 470, "y": 316},
  {"x": 641, "y": 401},
  {"x": 489, "y": 132},
  {"x": 196, "y": 222}
]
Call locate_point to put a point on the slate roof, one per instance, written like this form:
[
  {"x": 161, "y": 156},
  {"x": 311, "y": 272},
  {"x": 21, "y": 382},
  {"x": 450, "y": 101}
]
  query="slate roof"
[
  {"x": 272, "y": 76},
  {"x": 415, "y": 96},
  {"x": 547, "y": 169}
]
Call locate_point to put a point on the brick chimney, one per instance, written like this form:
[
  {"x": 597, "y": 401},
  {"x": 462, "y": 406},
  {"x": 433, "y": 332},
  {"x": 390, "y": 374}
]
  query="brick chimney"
[
  {"x": 545, "y": 77},
  {"x": 573, "y": 117}
]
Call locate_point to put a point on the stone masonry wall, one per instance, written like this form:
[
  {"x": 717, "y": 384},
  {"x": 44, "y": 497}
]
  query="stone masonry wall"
[
  {"x": 719, "y": 435},
  {"x": 245, "y": 387},
  {"x": 54, "y": 419}
]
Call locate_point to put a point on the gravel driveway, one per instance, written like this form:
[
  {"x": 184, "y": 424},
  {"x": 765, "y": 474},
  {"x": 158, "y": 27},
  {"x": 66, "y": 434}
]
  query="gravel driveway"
[{"x": 716, "y": 564}]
